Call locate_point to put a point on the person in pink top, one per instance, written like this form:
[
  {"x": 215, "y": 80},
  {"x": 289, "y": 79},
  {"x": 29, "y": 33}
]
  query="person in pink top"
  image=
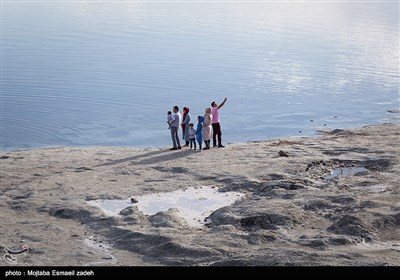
[{"x": 216, "y": 123}]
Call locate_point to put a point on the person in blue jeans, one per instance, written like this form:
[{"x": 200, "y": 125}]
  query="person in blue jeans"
[{"x": 175, "y": 122}]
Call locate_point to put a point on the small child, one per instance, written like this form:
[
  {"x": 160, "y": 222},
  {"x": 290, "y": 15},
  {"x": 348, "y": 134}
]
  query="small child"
[
  {"x": 199, "y": 131},
  {"x": 192, "y": 136},
  {"x": 169, "y": 119}
]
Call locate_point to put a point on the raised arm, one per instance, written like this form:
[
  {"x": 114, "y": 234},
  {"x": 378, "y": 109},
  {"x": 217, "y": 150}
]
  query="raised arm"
[{"x": 222, "y": 103}]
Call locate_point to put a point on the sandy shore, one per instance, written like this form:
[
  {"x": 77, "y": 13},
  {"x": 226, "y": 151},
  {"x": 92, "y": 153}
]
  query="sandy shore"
[{"x": 291, "y": 213}]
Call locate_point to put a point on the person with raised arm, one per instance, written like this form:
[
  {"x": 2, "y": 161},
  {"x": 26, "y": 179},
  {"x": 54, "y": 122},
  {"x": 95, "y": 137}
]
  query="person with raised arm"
[{"x": 216, "y": 125}]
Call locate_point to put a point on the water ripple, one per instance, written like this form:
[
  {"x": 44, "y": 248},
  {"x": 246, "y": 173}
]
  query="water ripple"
[{"x": 86, "y": 73}]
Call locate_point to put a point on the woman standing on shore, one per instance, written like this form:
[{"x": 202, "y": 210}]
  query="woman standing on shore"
[
  {"x": 207, "y": 128},
  {"x": 185, "y": 126}
]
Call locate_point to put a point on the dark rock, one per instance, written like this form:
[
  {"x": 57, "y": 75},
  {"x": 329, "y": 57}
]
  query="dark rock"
[
  {"x": 342, "y": 199},
  {"x": 288, "y": 196},
  {"x": 317, "y": 204},
  {"x": 387, "y": 222},
  {"x": 171, "y": 248},
  {"x": 25, "y": 195},
  {"x": 180, "y": 170},
  {"x": 318, "y": 244},
  {"x": 396, "y": 217},
  {"x": 258, "y": 239},
  {"x": 283, "y": 154},
  {"x": 376, "y": 164},
  {"x": 224, "y": 216},
  {"x": 339, "y": 241},
  {"x": 265, "y": 221},
  {"x": 287, "y": 185},
  {"x": 266, "y": 190},
  {"x": 257, "y": 222},
  {"x": 317, "y": 163},
  {"x": 337, "y": 131},
  {"x": 292, "y": 186},
  {"x": 67, "y": 213},
  {"x": 4, "y": 157},
  {"x": 134, "y": 200},
  {"x": 368, "y": 204},
  {"x": 237, "y": 183},
  {"x": 82, "y": 169},
  {"x": 340, "y": 132},
  {"x": 172, "y": 169},
  {"x": 127, "y": 211},
  {"x": 275, "y": 176},
  {"x": 351, "y": 225}
]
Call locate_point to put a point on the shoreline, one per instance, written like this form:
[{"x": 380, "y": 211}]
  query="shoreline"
[
  {"x": 317, "y": 132},
  {"x": 291, "y": 214}
]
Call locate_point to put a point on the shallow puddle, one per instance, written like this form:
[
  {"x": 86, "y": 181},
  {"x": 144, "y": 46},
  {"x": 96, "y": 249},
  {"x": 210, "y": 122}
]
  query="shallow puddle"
[
  {"x": 346, "y": 171},
  {"x": 194, "y": 204}
]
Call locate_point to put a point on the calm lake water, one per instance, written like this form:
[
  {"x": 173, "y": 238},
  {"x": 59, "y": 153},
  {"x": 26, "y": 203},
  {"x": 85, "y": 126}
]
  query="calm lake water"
[{"x": 82, "y": 73}]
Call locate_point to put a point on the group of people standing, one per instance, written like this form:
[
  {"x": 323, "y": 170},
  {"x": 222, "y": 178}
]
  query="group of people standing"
[{"x": 207, "y": 125}]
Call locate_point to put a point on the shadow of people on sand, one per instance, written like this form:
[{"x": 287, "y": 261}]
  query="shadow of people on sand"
[{"x": 151, "y": 157}]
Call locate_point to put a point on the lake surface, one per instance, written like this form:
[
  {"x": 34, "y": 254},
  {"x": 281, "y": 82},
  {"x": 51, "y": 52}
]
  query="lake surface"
[{"x": 83, "y": 73}]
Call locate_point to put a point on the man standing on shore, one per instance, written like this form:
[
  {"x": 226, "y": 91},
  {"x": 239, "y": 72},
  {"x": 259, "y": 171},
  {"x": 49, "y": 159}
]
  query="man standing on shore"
[
  {"x": 216, "y": 123},
  {"x": 175, "y": 122}
]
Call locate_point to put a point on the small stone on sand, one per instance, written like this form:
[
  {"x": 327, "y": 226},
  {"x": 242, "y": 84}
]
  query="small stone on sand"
[{"x": 283, "y": 154}]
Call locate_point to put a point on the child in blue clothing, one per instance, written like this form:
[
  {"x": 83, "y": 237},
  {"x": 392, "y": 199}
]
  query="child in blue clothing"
[
  {"x": 192, "y": 136},
  {"x": 199, "y": 130}
]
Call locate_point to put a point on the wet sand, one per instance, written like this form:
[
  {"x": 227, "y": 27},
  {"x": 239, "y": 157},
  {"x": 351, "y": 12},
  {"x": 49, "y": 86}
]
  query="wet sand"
[{"x": 327, "y": 200}]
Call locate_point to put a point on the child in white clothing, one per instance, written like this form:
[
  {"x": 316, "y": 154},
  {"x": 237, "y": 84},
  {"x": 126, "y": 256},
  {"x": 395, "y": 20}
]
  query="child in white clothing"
[{"x": 169, "y": 119}]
